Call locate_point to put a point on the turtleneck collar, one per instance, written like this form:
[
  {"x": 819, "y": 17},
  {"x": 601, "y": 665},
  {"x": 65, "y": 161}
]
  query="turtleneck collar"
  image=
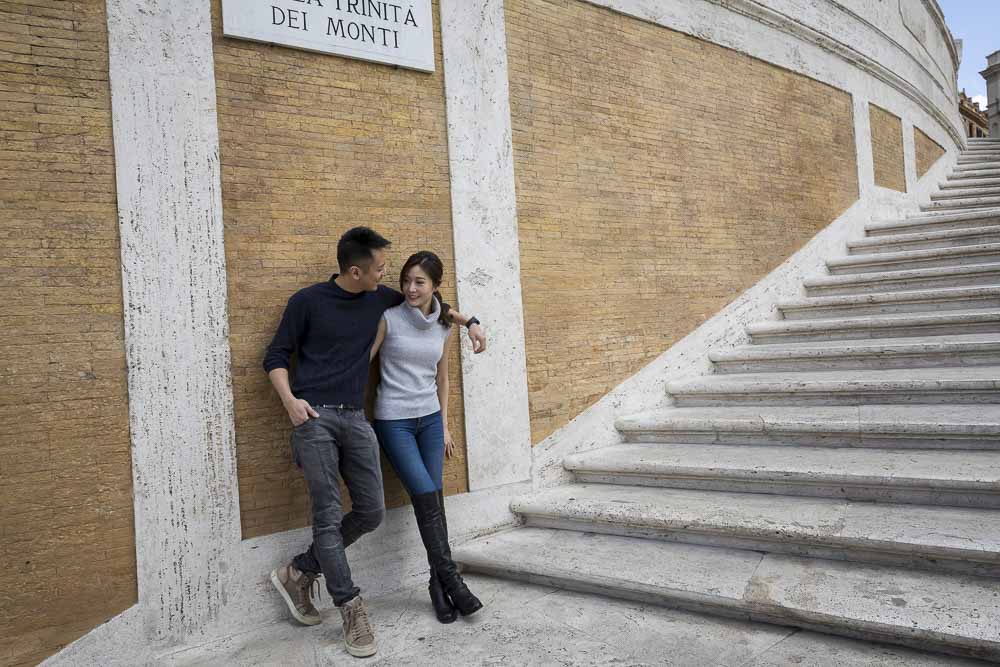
[{"x": 420, "y": 320}]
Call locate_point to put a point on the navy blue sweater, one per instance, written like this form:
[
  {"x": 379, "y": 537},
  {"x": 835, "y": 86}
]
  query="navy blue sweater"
[{"x": 331, "y": 331}]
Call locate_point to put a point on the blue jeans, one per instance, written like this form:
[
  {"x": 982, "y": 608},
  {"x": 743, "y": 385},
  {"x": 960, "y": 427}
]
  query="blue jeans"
[
  {"x": 415, "y": 448},
  {"x": 338, "y": 444}
]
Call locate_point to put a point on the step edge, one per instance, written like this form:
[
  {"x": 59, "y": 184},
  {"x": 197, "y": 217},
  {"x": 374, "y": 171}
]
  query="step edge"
[{"x": 742, "y": 608}]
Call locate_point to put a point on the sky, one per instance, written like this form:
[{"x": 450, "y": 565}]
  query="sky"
[{"x": 977, "y": 24}]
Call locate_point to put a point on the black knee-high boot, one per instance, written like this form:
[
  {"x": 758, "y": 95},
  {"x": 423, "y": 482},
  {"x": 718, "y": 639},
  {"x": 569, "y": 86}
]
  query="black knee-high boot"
[
  {"x": 433, "y": 532},
  {"x": 443, "y": 608}
]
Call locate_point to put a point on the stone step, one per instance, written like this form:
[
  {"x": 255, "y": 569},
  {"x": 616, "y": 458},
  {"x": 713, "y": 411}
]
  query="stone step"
[
  {"x": 967, "y": 202},
  {"x": 970, "y": 183},
  {"x": 952, "y": 427},
  {"x": 967, "y": 191},
  {"x": 923, "y": 240},
  {"x": 902, "y": 260},
  {"x": 961, "y": 173},
  {"x": 928, "y": 477},
  {"x": 979, "y": 150},
  {"x": 985, "y": 157},
  {"x": 935, "y": 300},
  {"x": 868, "y": 283},
  {"x": 974, "y": 163},
  {"x": 928, "y": 222},
  {"x": 908, "y": 386},
  {"x": 904, "y": 325},
  {"x": 917, "y": 352},
  {"x": 943, "y": 539},
  {"x": 946, "y": 613}
]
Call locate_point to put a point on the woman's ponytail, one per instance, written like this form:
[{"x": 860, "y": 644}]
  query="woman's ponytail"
[{"x": 443, "y": 318}]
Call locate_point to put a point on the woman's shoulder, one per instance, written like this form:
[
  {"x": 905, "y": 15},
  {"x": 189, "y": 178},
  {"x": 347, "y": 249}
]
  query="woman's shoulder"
[{"x": 394, "y": 311}]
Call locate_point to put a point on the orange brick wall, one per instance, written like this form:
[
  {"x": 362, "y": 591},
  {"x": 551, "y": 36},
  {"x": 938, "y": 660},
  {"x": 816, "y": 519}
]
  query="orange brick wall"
[
  {"x": 312, "y": 145},
  {"x": 887, "y": 149},
  {"x": 927, "y": 151},
  {"x": 67, "y": 553},
  {"x": 658, "y": 176}
]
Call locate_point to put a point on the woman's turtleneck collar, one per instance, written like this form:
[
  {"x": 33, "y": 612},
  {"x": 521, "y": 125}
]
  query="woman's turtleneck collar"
[{"x": 417, "y": 317}]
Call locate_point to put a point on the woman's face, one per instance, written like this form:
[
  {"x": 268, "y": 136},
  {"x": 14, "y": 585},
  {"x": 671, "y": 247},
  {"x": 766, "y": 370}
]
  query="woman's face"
[{"x": 418, "y": 288}]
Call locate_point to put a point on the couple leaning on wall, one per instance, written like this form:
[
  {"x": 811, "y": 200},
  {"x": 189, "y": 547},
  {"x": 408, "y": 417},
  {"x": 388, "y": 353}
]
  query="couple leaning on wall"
[{"x": 334, "y": 329}]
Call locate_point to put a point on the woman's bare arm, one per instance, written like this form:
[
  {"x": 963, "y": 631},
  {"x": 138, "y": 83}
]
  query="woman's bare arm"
[
  {"x": 442, "y": 391},
  {"x": 379, "y": 339}
]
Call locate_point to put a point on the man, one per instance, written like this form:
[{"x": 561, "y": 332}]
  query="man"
[{"x": 331, "y": 327}]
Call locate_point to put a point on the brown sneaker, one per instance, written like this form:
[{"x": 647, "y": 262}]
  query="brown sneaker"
[
  {"x": 359, "y": 639},
  {"x": 296, "y": 589}
]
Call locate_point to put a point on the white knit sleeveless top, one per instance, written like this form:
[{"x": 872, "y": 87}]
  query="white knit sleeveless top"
[{"x": 409, "y": 357}]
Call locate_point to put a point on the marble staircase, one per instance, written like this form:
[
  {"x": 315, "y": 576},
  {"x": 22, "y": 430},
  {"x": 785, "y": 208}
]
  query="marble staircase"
[{"x": 839, "y": 473}]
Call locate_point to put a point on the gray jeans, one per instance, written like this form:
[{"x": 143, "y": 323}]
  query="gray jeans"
[{"x": 338, "y": 441}]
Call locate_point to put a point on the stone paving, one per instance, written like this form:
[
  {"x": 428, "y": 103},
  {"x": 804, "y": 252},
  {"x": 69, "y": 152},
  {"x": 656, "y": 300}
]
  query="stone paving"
[{"x": 523, "y": 624}]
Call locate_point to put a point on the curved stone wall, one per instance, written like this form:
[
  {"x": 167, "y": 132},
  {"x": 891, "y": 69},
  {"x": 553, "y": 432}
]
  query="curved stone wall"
[
  {"x": 659, "y": 178},
  {"x": 897, "y": 53},
  {"x": 638, "y": 215}
]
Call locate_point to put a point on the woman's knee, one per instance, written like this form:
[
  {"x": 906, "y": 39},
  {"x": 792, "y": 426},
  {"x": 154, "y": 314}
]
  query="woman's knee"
[{"x": 419, "y": 484}]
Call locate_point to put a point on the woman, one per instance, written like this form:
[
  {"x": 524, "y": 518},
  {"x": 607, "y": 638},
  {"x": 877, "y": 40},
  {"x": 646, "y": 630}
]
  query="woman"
[{"x": 411, "y": 418}]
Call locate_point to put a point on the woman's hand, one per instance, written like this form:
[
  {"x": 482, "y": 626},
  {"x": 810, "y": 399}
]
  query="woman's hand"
[{"x": 449, "y": 444}]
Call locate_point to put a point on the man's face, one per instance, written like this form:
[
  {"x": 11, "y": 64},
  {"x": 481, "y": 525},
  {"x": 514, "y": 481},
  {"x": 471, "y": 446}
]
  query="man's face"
[{"x": 372, "y": 275}]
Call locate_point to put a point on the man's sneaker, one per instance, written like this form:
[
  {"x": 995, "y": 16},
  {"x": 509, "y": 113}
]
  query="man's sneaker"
[
  {"x": 359, "y": 639},
  {"x": 296, "y": 589}
]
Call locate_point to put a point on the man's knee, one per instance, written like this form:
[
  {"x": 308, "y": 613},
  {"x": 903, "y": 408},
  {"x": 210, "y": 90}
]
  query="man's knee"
[{"x": 369, "y": 519}]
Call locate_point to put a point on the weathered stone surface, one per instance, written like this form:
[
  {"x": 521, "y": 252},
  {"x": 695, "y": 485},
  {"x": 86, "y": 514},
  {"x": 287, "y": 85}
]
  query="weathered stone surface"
[
  {"x": 952, "y": 538},
  {"x": 916, "y": 352},
  {"x": 918, "y": 240},
  {"x": 877, "y": 326},
  {"x": 926, "y": 477},
  {"x": 956, "y": 298},
  {"x": 531, "y": 625},
  {"x": 979, "y": 201},
  {"x": 975, "y": 384},
  {"x": 951, "y": 613},
  {"x": 931, "y": 221},
  {"x": 898, "y": 426},
  {"x": 912, "y": 259},
  {"x": 893, "y": 281}
]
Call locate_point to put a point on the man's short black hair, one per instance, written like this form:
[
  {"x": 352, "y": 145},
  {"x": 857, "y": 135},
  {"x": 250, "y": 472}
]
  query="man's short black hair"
[{"x": 357, "y": 245}]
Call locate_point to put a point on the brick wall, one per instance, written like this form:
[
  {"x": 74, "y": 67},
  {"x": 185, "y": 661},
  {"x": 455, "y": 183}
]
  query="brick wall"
[
  {"x": 67, "y": 554},
  {"x": 887, "y": 149},
  {"x": 312, "y": 145},
  {"x": 658, "y": 177},
  {"x": 927, "y": 151}
]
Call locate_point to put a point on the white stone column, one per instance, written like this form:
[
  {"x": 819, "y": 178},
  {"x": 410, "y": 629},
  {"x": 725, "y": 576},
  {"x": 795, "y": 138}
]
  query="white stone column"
[
  {"x": 176, "y": 324},
  {"x": 487, "y": 256},
  {"x": 909, "y": 156},
  {"x": 863, "y": 146}
]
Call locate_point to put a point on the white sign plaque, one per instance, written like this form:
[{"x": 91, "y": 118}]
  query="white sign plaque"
[{"x": 397, "y": 32}]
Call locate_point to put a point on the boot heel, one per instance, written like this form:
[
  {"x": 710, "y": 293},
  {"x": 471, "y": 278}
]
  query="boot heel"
[{"x": 443, "y": 608}]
